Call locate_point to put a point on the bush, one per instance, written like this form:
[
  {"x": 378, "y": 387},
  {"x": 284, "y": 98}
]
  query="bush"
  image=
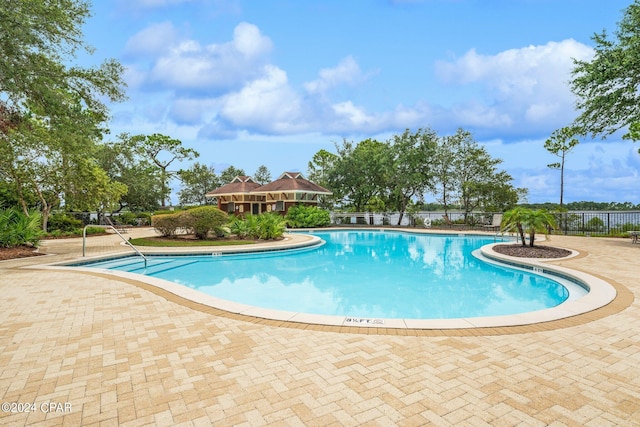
[
  {"x": 143, "y": 218},
  {"x": 305, "y": 216},
  {"x": 63, "y": 222},
  {"x": 270, "y": 226},
  {"x": 267, "y": 226},
  {"x": 244, "y": 228},
  {"x": 204, "y": 220},
  {"x": 18, "y": 229},
  {"x": 595, "y": 224},
  {"x": 94, "y": 230},
  {"x": 166, "y": 224}
]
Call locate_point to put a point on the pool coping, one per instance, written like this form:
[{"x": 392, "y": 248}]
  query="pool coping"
[{"x": 597, "y": 303}]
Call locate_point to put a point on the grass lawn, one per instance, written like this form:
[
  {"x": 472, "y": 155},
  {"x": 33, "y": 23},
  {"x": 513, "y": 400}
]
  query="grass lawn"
[{"x": 180, "y": 242}]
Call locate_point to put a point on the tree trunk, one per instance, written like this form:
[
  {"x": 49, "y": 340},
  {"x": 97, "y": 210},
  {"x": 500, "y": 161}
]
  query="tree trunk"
[{"x": 521, "y": 231}]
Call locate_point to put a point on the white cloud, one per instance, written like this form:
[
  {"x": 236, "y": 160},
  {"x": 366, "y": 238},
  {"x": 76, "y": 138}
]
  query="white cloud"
[
  {"x": 267, "y": 104},
  {"x": 186, "y": 65},
  {"x": 152, "y": 40},
  {"x": 529, "y": 85},
  {"x": 346, "y": 72},
  {"x": 356, "y": 116}
]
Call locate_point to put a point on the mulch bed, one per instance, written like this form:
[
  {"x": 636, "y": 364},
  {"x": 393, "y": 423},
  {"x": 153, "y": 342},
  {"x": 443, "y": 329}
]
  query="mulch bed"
[
  {"x": 517, "y": 250},
  {"x": 18, "y": 252}
]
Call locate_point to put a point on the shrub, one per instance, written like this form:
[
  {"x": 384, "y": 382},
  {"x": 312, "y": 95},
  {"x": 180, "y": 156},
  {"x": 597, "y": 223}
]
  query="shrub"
[
  {"x": 203, "y": 220},
  {"x": 594, "y": 224},
  {"x": 270, "y": 226},
  {"x": 244, "y": 228},
  {"x": 305, "y": 216},
  {"x": 63, "y": 222},
  {"x": 143, "y": 218},
  {"x": 94, "y": 230},
  {"x": 17, "y": 229},
  {"x": 166, "y": 224}
]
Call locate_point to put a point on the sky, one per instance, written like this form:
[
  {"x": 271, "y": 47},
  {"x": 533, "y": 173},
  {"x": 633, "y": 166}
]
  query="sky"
[{"x": 271, "y": 82}]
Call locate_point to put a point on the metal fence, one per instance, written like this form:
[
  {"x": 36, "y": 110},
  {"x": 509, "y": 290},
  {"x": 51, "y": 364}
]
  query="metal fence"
[
  {"x": 573, "y": 222},
  {"x": 597, "y": 222}
]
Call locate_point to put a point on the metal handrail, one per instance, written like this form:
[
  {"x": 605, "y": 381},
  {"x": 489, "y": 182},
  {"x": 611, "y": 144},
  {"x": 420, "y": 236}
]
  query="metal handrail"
[{"x": 84, "y": 240}]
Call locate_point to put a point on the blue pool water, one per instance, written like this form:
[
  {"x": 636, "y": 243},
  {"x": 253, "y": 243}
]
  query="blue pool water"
[{"x": 370, "y": 274}]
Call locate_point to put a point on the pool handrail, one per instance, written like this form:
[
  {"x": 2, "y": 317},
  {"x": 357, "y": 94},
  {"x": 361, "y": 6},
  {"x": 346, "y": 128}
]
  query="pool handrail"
[{"x": 84, "y": 240}]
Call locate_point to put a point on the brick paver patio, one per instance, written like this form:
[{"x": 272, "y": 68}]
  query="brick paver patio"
[{"x": 90, "y": 350}]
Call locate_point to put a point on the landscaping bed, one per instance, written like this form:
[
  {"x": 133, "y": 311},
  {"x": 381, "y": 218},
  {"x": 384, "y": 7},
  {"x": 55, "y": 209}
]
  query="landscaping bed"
[
  {"x": 517, "y": 250},
  {"x": 18, "y": 252}
]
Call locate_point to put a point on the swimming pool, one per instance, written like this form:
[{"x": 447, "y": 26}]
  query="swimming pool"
[{"x": 368, "y": 274}]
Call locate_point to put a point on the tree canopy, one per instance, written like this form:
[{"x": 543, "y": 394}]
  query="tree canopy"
[
  {"x": 607, "y": 85},
  {"x": 52, "y": 113},
  {"x": 396, "y": 174}
]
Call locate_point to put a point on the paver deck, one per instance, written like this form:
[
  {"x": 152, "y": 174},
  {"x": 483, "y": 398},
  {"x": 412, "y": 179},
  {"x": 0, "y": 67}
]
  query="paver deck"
[{"x": 91, "y": 350}]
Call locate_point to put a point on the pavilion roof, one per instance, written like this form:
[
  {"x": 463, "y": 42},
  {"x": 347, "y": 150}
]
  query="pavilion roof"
[
  {"x": 292, "y": 182},
  {"x": 239, "y": 185}
]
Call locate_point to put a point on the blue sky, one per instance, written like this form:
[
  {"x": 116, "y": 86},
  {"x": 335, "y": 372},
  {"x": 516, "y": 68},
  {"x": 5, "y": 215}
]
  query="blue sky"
[{"x": 271, "y": 82}]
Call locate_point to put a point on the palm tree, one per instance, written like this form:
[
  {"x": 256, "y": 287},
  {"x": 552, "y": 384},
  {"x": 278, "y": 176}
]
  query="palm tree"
[
  {"x": 513, "y": 220},
  {"x": 527, "y": 220},
  {"x": 539, "y": 221}
]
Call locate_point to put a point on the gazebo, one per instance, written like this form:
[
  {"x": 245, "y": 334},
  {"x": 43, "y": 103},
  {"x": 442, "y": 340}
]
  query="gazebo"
[
  {"x": 236, "y": 197},
  {"x": 243, "y": 195}
]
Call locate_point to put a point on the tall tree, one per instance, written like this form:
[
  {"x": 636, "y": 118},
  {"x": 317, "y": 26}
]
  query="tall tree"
[
  {"x": 445, "y": 170},
  {"x": 60, "y": 107},
  {"x": 561, "y": 142},
  {"x": 318, "y": 171},
  {"x": 196, "y": 182},
  {"x": 141, "y": 177},
  {"x": 474, "y": 168},
  {"x": 230, "y": 173},
  {"x": 607, "y": 85},
  {"x": 410, "y": 169},
  {"x": 162, "y": 151},
  {"x": 38, "y": 42},
  {"x": 262, "y": 175},
  {"x": 361, "y": 172}
]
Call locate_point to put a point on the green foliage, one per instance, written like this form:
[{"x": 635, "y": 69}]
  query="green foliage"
[
  {"x": 93, "y": 230},
  {"x": 58, "y": 109},
  {"x": 204, "y": 220},
  {"x": 166, "y": 224},
  {"x": 267, "y": 226},
  {"x": 161, "y": 151},
  {"x": 244, "y": 228},
  {"x": 607, "y": 85},
  {"x": 196, "y": 182},
  {"x": 262, "y": 175},
  {"x": 18, "y": 229},
  {"x": 528, "y": 220},
  {"x": 306, "y": 216},
  {"x": 318, "y": 171},
  {"x": 595, "y": 224},
  {"x": 229, "y": 173},
  {"x": 379, "y": 176},
  {"x": 561, "y": 142},
  {"x": 270, "y": 226},
  {"x": 409, "y": 172},
  {"x": 132, "y": 218},
  {"x": 122, "y": 164},
  {"x": 63, "y": 222}
]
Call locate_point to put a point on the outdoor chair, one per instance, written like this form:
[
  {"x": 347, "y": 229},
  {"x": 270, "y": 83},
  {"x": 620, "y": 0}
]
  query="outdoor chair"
[{"x": 495, "y": 223}]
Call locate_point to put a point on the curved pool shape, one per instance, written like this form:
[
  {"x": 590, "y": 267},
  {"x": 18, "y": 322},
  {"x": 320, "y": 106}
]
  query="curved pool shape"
[{"x": 366, "y": 274}]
